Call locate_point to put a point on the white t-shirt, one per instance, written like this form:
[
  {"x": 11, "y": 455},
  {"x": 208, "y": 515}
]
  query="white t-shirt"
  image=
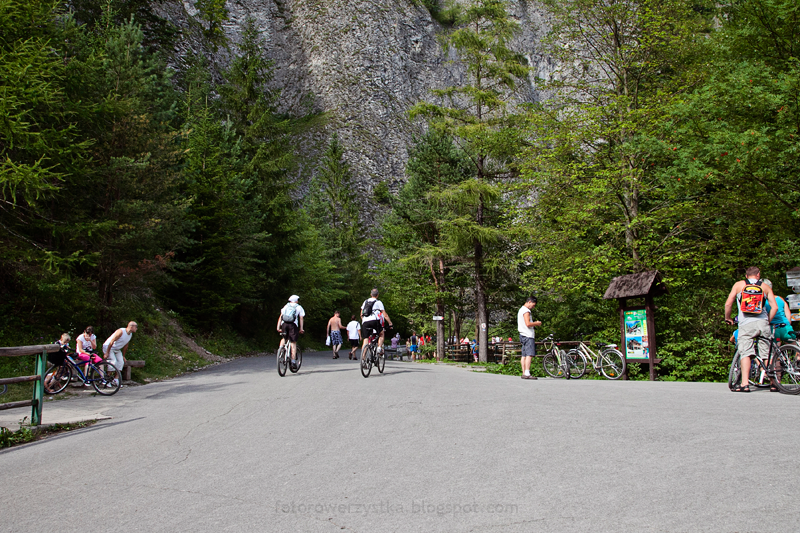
[
  {"x": 377, "y": 309},
  {"x": 85, "y": 343},
  {"x": 352, "y": 329},
  {"x": 300, "y": 312},
  {"x": 524, "y": 330}
]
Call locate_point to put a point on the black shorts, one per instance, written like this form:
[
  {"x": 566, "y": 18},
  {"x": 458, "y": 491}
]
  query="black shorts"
[
  {"x": 354, "y": 343},
  {"x": 291, "y": 330},
  {"x": 370, "y": 326}
]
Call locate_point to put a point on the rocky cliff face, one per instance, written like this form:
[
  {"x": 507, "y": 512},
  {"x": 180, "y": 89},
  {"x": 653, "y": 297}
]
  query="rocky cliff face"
[{"x": 365, "y": 63}]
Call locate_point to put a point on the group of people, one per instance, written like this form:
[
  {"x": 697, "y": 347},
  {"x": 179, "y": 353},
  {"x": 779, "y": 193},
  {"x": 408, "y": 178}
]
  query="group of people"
[
  {"x": 374, "y": 321},
  {"x": 758, "y": 311},
  {"x": 115, "y": 348}
]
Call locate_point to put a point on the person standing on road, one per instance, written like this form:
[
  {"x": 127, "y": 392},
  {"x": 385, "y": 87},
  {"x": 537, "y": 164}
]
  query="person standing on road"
[
  {"x": 334, "y": 327},
  {"x": 413, "y": 348},
  {"x": 290, "y": 322},
  {"x": 527, "y": 336},
  {"x": 116, "y": 346},
  {"x": 783, "y": 333},
  {"x": 373, "y": 317},
  {"x": 751, "y": 295},
  {"x": 354, "y": 336}
]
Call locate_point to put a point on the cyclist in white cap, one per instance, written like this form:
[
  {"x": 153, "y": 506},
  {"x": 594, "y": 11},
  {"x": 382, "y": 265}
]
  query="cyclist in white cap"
[{"x": 290, "y": 321}]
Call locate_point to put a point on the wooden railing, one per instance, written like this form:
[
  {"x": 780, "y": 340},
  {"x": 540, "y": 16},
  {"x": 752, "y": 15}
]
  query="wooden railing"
[
  {"x": 499, "y": 352},
  {"x": 41, "y": 351}
]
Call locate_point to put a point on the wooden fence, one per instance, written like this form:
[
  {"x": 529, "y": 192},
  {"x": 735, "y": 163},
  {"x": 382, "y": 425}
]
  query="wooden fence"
[
  {"x": 499, "y": 352},
  {"x": 41, "y": 351}
]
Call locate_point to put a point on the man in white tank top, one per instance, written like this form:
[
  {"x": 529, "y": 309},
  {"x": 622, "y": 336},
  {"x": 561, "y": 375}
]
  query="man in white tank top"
[{"x": 116, "y": 346}]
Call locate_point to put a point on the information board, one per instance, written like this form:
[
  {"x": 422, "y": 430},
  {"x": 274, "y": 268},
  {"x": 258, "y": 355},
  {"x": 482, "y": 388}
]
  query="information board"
[{"x": 636, "y": 341}]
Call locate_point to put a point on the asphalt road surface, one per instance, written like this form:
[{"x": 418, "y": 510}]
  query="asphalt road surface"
[{"x": 419, "y": 448}]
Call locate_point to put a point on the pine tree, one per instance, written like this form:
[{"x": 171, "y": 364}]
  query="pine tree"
[{"x": 478, "y": 117}]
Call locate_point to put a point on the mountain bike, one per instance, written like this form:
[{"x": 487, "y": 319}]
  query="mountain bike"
[
  {"x": 608, "y": 362},
  {"x": 102, "y": 375},
  {"x": 372, "y": 355},
  {"x": 285, "y": 357},
  {"x": 782, "y": 366},
  {"x": 559, "y": 364}
]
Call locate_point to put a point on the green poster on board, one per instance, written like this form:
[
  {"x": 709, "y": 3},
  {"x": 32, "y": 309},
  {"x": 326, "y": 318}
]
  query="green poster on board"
[{"x": 636, "y": 342}]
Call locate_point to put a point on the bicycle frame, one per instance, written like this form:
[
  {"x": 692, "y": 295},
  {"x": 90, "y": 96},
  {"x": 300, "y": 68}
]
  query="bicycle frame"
[
  {"x": 76, "y": 366},
  {"x": 591, "y": 356}
]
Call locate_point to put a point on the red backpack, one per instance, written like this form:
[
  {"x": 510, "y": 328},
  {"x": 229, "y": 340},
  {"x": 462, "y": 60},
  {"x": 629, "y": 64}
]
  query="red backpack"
[{"x": 752, "y": 299}]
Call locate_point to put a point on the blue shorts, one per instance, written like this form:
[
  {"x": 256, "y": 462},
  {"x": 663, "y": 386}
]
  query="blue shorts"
[
  {"x": 413, "y": 348},
  {"x": 528, "y": 346}
]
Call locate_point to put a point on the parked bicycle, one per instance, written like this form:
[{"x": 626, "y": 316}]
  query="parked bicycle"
[
  {"x": 372, "y": 355},
  {"x": 780, "y": 371},
  {"x": 285, "y": 357},
  {"x": 557, "y": 363},
  {"x": 101, "y": 374},
  {"x": 607, "y": 361}
]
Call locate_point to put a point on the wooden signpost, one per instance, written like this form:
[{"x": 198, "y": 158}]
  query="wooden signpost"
[{"x": 637, "y": 322}]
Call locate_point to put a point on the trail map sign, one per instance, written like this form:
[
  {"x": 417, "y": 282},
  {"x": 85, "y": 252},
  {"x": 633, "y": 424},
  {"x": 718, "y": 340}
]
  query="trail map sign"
[
  {"x": 637, "y": 345},
  {"x": 637, "y": 324}
]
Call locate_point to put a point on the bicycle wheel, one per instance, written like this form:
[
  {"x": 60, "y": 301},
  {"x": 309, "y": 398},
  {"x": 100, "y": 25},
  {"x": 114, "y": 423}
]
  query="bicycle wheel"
[
  {"x": 282, "y": 362},
  {"x": 381, "y": 360},
  {"x": 612, "y": 364},
  {"x": 299, "y": 359},
  {"x": 105, "y": 378},
  {"x": 56, "y": 378},
  {"x": 551, "y": 365},
  {"x": 734, "y": 373},
  {"x": 787, "y": 369},
  {"x": 366, "y": 361},
  {"x": 577, "y": 363}
]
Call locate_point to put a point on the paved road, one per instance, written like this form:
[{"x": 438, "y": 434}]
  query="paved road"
[{"x": 420, "y": 448}]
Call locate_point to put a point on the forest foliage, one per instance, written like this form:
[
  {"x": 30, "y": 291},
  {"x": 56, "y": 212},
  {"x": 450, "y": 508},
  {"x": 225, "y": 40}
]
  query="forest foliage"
[{"x": 133, "y": 180}]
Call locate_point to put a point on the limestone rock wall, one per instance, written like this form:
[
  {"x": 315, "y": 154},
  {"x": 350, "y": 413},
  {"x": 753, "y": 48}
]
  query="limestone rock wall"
[{"x": 364, "y": 63}]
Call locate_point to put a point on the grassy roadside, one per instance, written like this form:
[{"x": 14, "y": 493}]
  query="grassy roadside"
[{"x": 26, "y": 434}]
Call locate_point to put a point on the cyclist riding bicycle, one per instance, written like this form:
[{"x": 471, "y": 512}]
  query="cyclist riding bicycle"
[
  {"x": 290, "y": 322},
  {"x": 373, "y": 318}
]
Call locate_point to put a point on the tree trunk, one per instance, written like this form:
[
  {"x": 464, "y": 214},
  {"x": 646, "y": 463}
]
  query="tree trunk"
[
  {"x": 480, "y": 295},
  {"x": 440, "y": 334}
]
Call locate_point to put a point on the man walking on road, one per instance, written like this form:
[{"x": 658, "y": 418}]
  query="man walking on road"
[
  {"x": 334, "y": 330},
  {"x": 751, "y": 295},
  {"x": 290, "y": 320},
  {"x": 527, "y": 336},
  {"x": 353, "y": 335},
  {"x": 116, "y": 346}
]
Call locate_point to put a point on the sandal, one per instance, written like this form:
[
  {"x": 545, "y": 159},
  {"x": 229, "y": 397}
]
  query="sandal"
[
  {"x": 774, "y": 389},
  {"x": 739, "y": 388}
]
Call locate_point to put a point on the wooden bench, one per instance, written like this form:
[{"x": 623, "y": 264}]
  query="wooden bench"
[{"x": 126, "y": 371}]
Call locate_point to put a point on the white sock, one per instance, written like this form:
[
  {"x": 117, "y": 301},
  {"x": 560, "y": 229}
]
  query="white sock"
[{"x": 527, "y": 373}]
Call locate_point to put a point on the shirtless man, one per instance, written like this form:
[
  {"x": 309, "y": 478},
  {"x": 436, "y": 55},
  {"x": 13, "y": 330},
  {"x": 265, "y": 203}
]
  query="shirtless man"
[
  {"x": 753, "y": 324},
  {"x": 334, "y": 327}
]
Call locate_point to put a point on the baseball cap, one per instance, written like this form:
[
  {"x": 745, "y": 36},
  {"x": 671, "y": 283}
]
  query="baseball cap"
[{"x": 293, "y": 298}]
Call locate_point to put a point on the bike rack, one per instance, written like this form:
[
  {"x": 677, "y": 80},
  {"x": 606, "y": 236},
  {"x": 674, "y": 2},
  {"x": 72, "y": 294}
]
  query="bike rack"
[{"x": 41, "y": 351}]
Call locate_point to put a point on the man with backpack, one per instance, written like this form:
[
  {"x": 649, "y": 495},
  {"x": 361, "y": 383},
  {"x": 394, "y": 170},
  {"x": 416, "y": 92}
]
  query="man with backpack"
[
  {"x": 751, "y": 295},
  {"x": 373, "y": 317},
  {"x": 290, "y": 322}
]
